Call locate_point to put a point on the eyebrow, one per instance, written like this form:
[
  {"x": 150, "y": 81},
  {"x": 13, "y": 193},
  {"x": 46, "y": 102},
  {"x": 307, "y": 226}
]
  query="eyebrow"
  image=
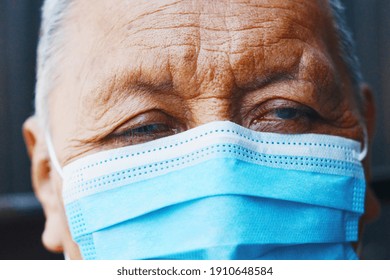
[
  {"x": 272, "y": 78},
  {"x": 122, "y": 85}
]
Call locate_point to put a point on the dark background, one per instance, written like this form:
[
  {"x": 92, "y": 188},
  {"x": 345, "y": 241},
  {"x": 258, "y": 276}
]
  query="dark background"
[{"x": 21, "y": 218}]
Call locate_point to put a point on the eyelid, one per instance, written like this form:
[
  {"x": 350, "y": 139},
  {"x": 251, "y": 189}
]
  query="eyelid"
[
  {"x": 142, "y": 119},
  {"x": 258, "y": 120},
  {"x": 272, "y": 105},
  {"x": 125, "y": 133},
  {"x": 136, "y": 128}
]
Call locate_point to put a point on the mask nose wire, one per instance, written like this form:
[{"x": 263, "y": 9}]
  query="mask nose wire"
[
  {"x": 363, "y": 153},
  {"x": 52, "y": 154}
]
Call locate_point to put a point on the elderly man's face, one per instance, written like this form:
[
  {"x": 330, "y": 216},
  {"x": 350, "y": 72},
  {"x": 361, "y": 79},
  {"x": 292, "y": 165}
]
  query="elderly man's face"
[{"x": 134, "y": 71}]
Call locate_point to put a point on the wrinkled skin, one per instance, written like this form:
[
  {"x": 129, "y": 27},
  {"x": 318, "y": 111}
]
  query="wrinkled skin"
[{"x": 165, "y": 66}]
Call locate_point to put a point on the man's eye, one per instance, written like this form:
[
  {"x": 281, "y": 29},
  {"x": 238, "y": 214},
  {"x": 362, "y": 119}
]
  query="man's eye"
[
  {"x": 141, "y": 134},
  {"x": 286, "y": 117},
  {"x": 148, "y": 130},
  {"x": 287, "y": 113}
]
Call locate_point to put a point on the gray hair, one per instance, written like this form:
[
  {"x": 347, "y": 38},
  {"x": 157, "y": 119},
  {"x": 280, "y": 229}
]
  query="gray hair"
[
  {"x": 51, "y": 41},
  {"x": 48, "y": 55},
  {"x": 347, "y": 44}
]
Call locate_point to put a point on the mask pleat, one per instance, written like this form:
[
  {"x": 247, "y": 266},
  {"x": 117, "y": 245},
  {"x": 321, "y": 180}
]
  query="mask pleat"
[{"x": 218, "y": 192}]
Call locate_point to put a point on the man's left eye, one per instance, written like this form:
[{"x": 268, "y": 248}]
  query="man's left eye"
[
  {"x": 287, "y": 113},
  {"x": 283, "y": 116}
]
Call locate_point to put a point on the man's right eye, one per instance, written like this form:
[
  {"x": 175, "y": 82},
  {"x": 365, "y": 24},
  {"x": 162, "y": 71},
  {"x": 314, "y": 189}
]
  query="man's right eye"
[
  {"x": 147, "y": 129},
  {"x": 142, "y": 134}
]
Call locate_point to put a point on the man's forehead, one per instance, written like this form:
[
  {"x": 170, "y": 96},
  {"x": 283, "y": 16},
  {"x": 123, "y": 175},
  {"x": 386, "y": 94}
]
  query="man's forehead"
[
  {"x": 168, "y": 42},
  {"x": 148, "y": 23}
]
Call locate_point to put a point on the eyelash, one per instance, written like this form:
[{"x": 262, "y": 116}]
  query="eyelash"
[
  {"x": 298, "y": 112},
  {"x": 268, "y": 109},
  {"x": 283, "y": 116},
  {"x": 142, "y": 134},
  {"x": 148, "y": 129}
]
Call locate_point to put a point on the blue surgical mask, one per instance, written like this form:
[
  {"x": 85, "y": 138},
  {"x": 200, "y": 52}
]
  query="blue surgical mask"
[{"x": 218, "y": 191}]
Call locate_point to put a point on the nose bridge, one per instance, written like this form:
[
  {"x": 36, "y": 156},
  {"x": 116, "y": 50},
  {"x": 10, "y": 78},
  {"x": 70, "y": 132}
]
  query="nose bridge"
[
  {"x": 212, "y": 89},
  {"x": 209, "y": 109}
]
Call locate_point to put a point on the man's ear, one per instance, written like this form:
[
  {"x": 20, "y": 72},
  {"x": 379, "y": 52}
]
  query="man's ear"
[
  {"x": 372, "y": 204},
  {"x": 44, "y": 185},
  {"x": 369, "y": 111}
]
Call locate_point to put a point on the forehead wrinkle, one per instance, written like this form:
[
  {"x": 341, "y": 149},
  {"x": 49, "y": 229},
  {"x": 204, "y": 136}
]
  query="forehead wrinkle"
[
  {"x": 115, "y": 89},
  {"x": 234, "y": 45},
  {"x": 129, "y": 84},
  {"x": 155, "y": 9},
  {"x": 186, "y": 14}
]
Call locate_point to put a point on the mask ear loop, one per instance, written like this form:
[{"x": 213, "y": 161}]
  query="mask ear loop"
[
  {"x": 52, "y": 154},
  {"x": 363, "y": 153}
]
